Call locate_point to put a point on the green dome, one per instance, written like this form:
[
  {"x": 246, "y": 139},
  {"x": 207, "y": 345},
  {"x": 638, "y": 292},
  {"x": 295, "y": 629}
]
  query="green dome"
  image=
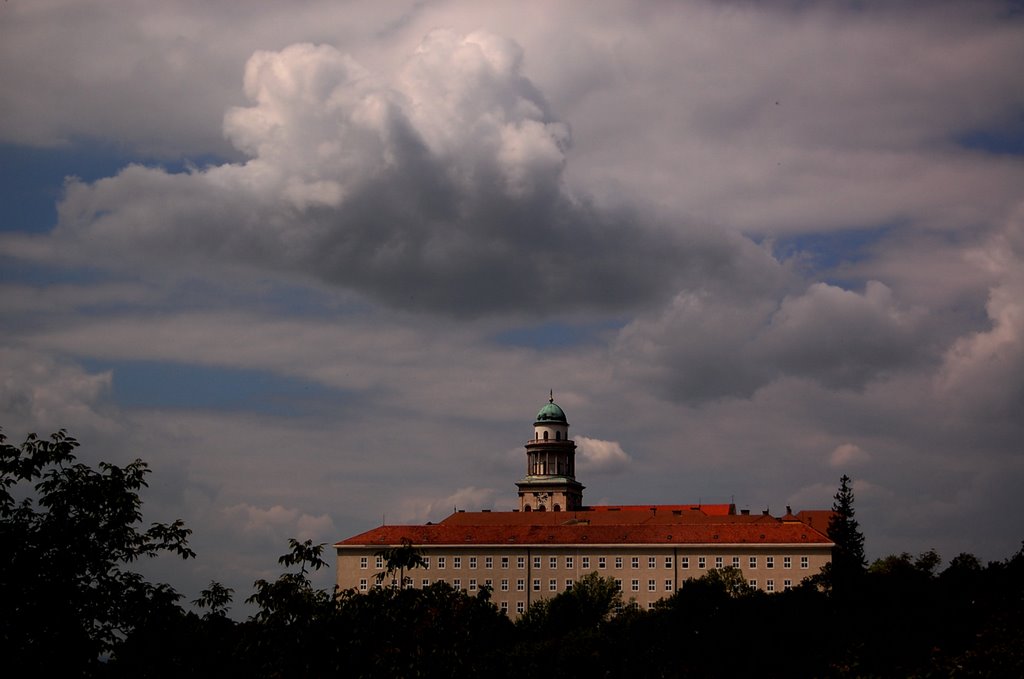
[{"x": 551, "y": 413}]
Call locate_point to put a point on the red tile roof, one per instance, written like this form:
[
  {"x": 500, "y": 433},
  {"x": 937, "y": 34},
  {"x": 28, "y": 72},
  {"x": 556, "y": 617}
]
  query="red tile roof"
[
  {"x": 644, "y": 524},
  {"x": 816, "y": 518}
]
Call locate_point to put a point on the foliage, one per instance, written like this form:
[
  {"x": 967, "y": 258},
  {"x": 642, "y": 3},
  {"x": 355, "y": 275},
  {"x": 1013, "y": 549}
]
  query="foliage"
[
  {"x": 69, "y": 539},
  {"x": 848, "y": 560},
  {"x": 67, "y": 598},
  {"x": 398, "y": 560},
  {"x": 586, "y": 606}
]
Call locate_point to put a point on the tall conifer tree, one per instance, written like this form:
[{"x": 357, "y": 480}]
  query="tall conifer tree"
[{"x": 848, "y": 561}]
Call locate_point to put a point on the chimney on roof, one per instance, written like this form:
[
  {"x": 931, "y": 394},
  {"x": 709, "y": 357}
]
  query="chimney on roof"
[
  {"x": 789, "y": 510},
  {"x": 745, "y": 512},
  {"x": 764, "y": 513}
]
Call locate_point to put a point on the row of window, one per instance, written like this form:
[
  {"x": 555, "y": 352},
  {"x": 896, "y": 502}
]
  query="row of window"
[
  {"x": 602, "y": 562},
  {"x": 520, "y": 584}
]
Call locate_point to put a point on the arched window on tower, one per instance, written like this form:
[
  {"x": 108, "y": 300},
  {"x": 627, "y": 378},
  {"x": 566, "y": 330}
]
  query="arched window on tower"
[
  {"x": 558, "y": 436},
  {"x": 545, "y": 436}
]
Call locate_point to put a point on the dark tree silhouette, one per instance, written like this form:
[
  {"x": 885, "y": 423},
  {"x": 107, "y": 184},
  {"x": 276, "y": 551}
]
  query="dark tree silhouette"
[
  {"x": 399, "y": 560},
  {"x": 848, "y": 560},
  {"x": 68, "y": 542}
]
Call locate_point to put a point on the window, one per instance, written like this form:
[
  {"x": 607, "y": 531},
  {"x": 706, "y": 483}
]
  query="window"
[
  {"x": 684, "y": 562},
  {"x": 735, "y": 562},
  {"x": 519, "y": 607},
  {"x": 635, "y": 585},
  {"x": 520, "y": 585},
  {"x": 618, "y": 563},
  {"x": 568, "y": 584},
  {"x": 753, "y": 562},
  {"x": 426, "y": 562},
  {"x": 568, "y": 562},
  {"x": 472, "y": 585},
  {"x": 652, "y": 562},
  {"x": 456, "y": 583},
  {"x": 586, "y": 561},
  {"x": 787, "y": 584},
  {"x": 472, "y": 562},
  {"x": 668, "y": 562},
  {"x": 489, "y": 583},
  {"x": 652, "y": 586},
  {"x": 364, "y": 562},
  {"x": 440, "y": 562},
  {"x": 803, "y": 562},
  {"x": 504, "y": 607},
  {"x": 380, "y": 561},
  {"x": 787, "y": 562},
  {"x": 769, "y": 586},
  {"x": 618, "y": 585},
  {"x": 504, "y": 562},
  {"x": 702, "y": 562},
  {"x": 439, "y": 580},
  {"x": 489, "y": 562},
  {"x": 553, "y": 585},
  {"x": 553, "y": 562},
  {"x": 600, "y": 562},
  {"x": 668, "y": 585},
  {"x": 362, "y": 585},
  {"x": 504, "y": 584},
  {"x": 634, "y": 562},
  {"x": 536, "y": 562},
  {"x": 425, "y": 582},
  {"x": 753, "y": 583},
  {"x": 650, "y": 605},
  {"x": 719, "y": 562},
  {"x": 456, "y": 562},
  {"x": 769, "y": 562},
  {"x": 520, "y": 562},
  {"x": 536, "y": 584}
]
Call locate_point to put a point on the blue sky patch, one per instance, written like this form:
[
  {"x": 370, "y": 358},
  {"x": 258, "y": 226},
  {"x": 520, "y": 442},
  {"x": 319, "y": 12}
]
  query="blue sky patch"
[
  {"x": 162, "y": 384},
  {"x": 556, "y": 335},
  {"x": 32, "y": 179}
]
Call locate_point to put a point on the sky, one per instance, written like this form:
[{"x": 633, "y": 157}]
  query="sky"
[{"x": 320, "y": 263}]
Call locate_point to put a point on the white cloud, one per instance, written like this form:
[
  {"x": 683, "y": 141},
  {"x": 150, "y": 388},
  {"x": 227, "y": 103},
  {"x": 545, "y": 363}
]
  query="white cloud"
[
  {"x": 847, "y": 455},
  {"x": 601, "y": 457},
  {"x": 469, "y": 498},
  {"x": 43, "y": 394},
  {"x": 985, "y": 369},
  {"x": 277, "y": 524}
]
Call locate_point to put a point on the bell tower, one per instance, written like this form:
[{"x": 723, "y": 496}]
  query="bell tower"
[{"x": 550, "y": 483}]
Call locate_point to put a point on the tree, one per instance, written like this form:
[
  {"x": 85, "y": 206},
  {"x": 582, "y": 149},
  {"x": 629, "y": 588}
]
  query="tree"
[
  {"x": 731, "y": 580},
  {"x": 69, "y": 533},
  {"x": 292, "y": 629},
  {"x": 848, "y": 561},
  {"x": 399, "y": 559}
]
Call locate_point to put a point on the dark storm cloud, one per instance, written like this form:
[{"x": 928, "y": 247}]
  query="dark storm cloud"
[{"x": 440, "y": 192}]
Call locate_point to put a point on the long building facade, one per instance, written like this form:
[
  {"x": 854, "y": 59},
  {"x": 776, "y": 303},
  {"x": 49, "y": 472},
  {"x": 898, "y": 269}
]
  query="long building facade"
[{"x": 553, "y": 539}]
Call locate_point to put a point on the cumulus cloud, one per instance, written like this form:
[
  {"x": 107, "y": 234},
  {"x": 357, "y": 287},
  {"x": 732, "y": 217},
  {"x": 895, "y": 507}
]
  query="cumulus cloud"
[
  {"x": 848, "y": 454},
  {"x": 707, "y": 345},
  {"x": 275, "y": 525},
  {"x": 41, "y": 393},
  {"x": 601, "y": 457},
  {"x": 469, "y": 498},
  {"x": 985, "y": 370},
  {"x": 439, "y": 188}
]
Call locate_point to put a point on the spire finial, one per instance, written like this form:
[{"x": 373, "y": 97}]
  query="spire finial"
[{"x": 551, "y": 396}]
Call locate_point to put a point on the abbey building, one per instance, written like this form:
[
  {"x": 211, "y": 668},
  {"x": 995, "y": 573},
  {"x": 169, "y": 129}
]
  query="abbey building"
[{"x": 553, "y": 539}]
